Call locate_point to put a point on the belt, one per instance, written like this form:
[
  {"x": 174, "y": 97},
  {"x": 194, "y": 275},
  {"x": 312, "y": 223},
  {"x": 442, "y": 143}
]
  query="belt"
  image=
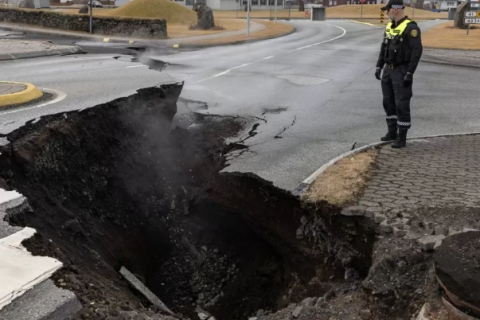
[{"x": 394, "y": 66}]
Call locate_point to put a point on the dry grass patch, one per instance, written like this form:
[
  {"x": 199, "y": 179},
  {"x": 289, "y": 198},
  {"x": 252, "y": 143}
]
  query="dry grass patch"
[
  {"x": 272, "y": 30},
  {"x": 343, "y": 182},
  {"x": 371, "y": 11},
  {"x": 156, "y": 9},
  {"x": 97, "y": 12},
  {"x": 444, "y": 36}
]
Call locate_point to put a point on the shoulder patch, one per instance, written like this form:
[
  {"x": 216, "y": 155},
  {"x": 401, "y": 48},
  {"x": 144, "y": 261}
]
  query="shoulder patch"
[{"x": 414, "y": 33}]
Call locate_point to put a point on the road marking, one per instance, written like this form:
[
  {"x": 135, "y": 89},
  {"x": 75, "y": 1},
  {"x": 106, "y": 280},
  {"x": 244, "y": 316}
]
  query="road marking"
[
  {"x": 136, "y": 66},
  {"x": 365, "y": 23},
  {"x": 270, "y": 57},
  {"x": 60, "y": 96}
]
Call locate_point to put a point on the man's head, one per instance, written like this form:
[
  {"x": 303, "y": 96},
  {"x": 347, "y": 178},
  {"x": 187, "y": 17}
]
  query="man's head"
[{"x": 395, "y": 9}]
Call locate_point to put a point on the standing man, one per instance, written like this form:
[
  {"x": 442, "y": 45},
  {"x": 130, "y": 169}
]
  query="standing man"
[{"x": 399, "y": 56}]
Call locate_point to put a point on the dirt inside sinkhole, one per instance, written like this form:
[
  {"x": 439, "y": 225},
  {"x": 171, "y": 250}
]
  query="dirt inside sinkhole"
[{"x": 123, "y": 184}]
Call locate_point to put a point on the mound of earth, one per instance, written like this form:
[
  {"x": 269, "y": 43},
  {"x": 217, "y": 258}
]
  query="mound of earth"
[{"x": 156, "y": 9}]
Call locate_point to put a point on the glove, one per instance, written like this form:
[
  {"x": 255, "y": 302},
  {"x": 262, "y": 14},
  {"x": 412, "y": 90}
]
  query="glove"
[
  {"x": 408, "y": 79},
  {"x": 378, "y": 72}
]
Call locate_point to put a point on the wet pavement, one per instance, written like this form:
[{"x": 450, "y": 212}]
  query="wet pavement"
[{"x": 320, "y": 80}]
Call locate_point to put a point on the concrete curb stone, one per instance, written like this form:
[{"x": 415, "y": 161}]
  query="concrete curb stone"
[{"x": 43, "y": 53}]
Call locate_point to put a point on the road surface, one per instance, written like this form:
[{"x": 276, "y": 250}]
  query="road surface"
[{"x": 313, "y": 93}]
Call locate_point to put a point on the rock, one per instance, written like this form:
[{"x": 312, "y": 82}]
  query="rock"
[
  {"x": 440, "y": 230},
  {"x": 329, "y": 295},
  {"x": 202, "y": 316},
  {"x": 353, "y": 211},
  {"x": 385, "y": 227},
  {"x": 304, "y": 220},
  {"x": 309, "y": 302},
  {"x": 201, "y": 296},
  {"x": 457, "y": 266},
  {"x": 253, "y": 318},
  {"x": 320, "y": 302},
  {"x": 421, "y": 314},
  {"x": 365, "y": 314},
  {"x": 429, "y": 243},
  {"x": 469, "y": 229},
  {"x": 399, "y": 233},
  {"x": 297, "y": 311},
  {"x": 205, "y": 16},
  {"x": 26, "y": 4},
  {"x": 73, "y": 226},
  {"x": 260, "y": 313},
  {"x": 459, "y": 21},
  {"x": 204, "y": 248},
  {"x": 83, "y": 10},
  {"x": 379, "y": 218}
]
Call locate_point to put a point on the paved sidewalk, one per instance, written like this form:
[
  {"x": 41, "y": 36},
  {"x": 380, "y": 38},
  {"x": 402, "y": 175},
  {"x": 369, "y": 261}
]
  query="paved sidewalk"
[
  {"x": 20, "y": 49},
  {"x": 433, "y": 172}
]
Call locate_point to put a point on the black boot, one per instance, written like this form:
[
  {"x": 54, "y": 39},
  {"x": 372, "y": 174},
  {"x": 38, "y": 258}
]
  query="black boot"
[
  {"x": 401, "y": 141},
  {"x": 391, "y": 134}
]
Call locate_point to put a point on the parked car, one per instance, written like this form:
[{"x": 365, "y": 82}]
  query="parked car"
[{"x": 95, "y": 4}]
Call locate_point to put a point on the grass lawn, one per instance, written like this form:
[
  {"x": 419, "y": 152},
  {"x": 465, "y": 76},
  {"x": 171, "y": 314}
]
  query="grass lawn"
[{"x": 444, "y": 36}]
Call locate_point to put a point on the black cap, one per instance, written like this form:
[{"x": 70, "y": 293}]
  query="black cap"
[{"x": 394, "y": 4}]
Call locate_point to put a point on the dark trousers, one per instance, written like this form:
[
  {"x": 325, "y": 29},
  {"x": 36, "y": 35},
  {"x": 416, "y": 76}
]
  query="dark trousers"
[{"x": 396, "y": 97}]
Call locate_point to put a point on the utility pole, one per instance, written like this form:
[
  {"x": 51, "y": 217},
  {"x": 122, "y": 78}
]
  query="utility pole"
[
  {"x": 289, "y": 8},
  {"x": 91, "y": 16},
  {"x": 276, "y": 10},
  {"x": 248, "y": 17}
]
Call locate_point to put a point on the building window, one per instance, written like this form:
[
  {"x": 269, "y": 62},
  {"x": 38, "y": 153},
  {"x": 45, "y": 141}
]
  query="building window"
[
  {"x": 335, "y": 2},
  {"x": 450, "y": 4},
  {"x": 263, "y": 2},
  {"x": 330, "y": 3}
]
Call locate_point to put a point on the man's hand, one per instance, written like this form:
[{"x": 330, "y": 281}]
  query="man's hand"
[
  {"x": 378, "y": 72},
  {"x": 408, "y": 79}
]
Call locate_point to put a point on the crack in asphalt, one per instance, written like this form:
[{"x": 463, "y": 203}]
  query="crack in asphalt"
[{"x": 278, "y": 136}]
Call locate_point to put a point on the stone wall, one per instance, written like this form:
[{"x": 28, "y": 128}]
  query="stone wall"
[{"x": 144, "y": 28}]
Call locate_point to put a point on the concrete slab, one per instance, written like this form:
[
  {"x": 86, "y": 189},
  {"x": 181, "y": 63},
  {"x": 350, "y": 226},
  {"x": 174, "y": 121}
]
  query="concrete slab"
[
  {"x": 44, "y": 302},
  {"x": 19, "y": 269}
]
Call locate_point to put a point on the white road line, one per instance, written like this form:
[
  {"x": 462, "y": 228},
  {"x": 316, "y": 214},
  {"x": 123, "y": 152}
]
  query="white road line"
[
  {"x": 270, "y": 57},
  {"x": 136, "y": 66},
  {"x": 60, "y": 96}
]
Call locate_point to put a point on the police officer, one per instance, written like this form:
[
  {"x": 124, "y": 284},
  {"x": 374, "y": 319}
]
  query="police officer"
[{"x": 399, "y": 56}]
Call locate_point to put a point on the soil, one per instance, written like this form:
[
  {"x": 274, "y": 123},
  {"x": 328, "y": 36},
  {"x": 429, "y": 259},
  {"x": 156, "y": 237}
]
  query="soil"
[
  {"x": 129, "y": 184},
  {"x": 121, "y": 185}
]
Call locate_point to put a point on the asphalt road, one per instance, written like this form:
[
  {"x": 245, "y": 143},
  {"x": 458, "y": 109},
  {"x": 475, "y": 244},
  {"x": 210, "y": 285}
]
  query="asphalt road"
[{"x": 313, "y": 93}]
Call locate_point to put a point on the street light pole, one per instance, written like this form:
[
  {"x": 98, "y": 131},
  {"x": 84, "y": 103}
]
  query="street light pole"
[
  {"x": 248, "y": 17},
  {"x": 289, "y": 9},
  {"x": 276, "y": 10},
  {"x": 91, "y": 16}
]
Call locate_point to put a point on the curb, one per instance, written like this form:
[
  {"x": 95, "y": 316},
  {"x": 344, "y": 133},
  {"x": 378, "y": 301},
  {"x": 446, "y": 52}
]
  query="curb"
[
  {"x": 86, "y": 36},
  {"x": 29, "y": 94},
  {"x": 42, "y": 53},
  {"x": 450, "y": 63},
  {"x": 197, "y": 46},
  {"x": 305, "y": 184}
]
